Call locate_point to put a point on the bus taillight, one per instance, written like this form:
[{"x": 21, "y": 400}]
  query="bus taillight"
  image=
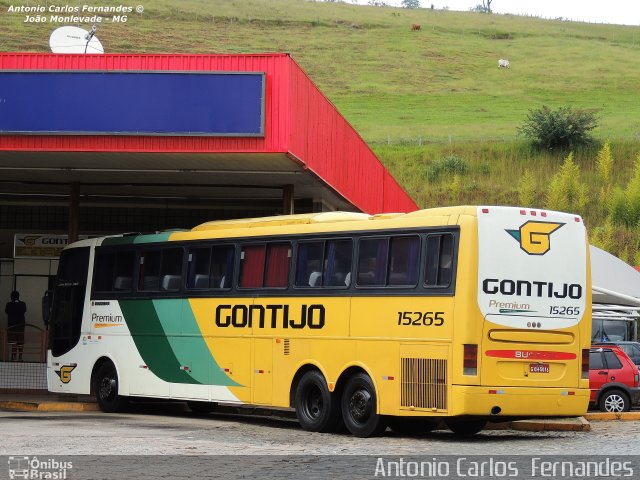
[
  {"x": 470, "y": 364},
  {"x": 585, "y": 363}
]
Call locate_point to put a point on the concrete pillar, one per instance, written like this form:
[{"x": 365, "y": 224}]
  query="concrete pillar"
[{"x": 287, "y": 200}]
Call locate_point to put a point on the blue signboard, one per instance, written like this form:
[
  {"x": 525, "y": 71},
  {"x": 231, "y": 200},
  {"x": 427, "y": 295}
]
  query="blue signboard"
[{"x": 131, "y": 103}]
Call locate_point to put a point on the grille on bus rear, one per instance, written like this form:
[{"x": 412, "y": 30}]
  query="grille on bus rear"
[{"x": 424, "y": 383}]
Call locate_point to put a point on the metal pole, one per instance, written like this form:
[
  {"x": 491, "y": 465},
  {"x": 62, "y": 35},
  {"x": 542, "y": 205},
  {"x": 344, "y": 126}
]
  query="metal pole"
[{"x": 74, "y": 204}]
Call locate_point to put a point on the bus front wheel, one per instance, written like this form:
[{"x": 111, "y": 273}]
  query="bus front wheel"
[
  {"x": 359, "y": 405},
  {"x": 106, "y": 388},
  {"x": 317, "y": 410},
  {"x": 465, "y": 427}
]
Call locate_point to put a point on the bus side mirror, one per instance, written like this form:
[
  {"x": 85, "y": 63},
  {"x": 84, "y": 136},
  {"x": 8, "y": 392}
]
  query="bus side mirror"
[{"x": 46, "y": 307}]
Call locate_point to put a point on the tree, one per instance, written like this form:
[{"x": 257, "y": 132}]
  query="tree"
[
  {"x": 562, "y": 128},
  {"x": 487, "y": 5},
  {"x": 410, "y": 3}
]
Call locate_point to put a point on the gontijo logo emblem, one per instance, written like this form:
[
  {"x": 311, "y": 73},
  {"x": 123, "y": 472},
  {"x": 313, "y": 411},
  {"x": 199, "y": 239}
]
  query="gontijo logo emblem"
[
  {"x": 65, "y": 372},
  {"x": 535, "y": 237}
]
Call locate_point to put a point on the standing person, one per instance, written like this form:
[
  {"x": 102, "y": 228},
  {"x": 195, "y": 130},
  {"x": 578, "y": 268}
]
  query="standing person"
[{"x": 15, "y": 311}]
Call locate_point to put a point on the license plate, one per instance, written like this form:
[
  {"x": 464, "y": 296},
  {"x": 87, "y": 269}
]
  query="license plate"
[{"x": 539, "y": 367}]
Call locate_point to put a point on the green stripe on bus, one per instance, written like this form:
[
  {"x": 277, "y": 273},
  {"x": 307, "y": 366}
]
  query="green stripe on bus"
[
  {"x": 152, "y": 342},
  {"x": 190, "y": 347},
  {"x": 134, "y": 239},
  {"x": 167, "y": 336}
]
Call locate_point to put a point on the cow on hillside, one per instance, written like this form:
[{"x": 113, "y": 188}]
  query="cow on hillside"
[
  {"x": 504, "y": 63},
  {"x": 416, "y": 27}
]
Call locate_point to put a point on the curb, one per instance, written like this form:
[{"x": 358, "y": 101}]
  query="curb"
[
  {"x": 603, "y": 416},
  {"x": 48, "y": 406},
  {"x": 574, "y": 424}
]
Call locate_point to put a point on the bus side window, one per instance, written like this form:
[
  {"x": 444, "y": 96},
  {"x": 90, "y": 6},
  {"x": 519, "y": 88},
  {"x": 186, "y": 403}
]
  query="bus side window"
[
  {"x": 439, "y": 260},
  {"x": 309, "y": 264},
  {"x": 198, "y": 271},
  {"x": 337, "y": 263},
  {"x": 149, "y": 270},
  {"x": 251, "y": 266},
  {"x": 114, "y": 271},
  {"x": 404, "y": 261},
  {"x": 372, "y": 262},
  {"x": 276, "y": 273},
  {"x": 222, "y": 266},
  {"x": 171, "y": 269},
  {"x": 124, "y": 266}
]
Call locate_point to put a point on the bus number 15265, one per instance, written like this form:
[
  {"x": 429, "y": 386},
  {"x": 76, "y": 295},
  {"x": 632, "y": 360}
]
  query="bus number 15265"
[{"x": 419, "y": 318}]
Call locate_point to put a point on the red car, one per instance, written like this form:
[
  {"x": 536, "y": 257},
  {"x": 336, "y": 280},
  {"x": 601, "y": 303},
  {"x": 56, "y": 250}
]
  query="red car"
[{"x": 613, "y": 378}]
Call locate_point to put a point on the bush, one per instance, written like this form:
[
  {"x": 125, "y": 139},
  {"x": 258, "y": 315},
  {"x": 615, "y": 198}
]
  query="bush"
[
  {"x": 451, "y": 165},
  {"x": 563, "y": 128}
]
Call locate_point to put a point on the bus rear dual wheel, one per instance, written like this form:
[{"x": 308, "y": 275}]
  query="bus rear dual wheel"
[{"x": 318, "y": 410}]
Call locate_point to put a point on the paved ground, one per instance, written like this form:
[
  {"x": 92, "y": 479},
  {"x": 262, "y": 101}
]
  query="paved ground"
[{"x": 171, "y": 429}]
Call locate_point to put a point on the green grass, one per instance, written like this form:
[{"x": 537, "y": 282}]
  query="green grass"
[{"x": 417, "y": 97}]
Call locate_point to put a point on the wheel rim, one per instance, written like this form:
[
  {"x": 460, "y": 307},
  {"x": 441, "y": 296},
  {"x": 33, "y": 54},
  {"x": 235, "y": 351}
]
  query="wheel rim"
[
  {"x": 614, "y": 403},
  {"x": 312, "y": 402},
  {"x": 108, "y": 387},
  {"x": 360, "y": 405}
]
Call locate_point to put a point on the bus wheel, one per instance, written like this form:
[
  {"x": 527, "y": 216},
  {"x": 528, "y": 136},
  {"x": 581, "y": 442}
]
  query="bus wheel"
[
  {"x": 202, "y": 407},
  {"x": 106, "y": 388},
  {"x": 411, "y": 425},
  {"x": 465, "y": 427},
  {"x": 614, "y": 401},
  {"x": 317, "y": 410},
  {"x": 359, "y": 405}
]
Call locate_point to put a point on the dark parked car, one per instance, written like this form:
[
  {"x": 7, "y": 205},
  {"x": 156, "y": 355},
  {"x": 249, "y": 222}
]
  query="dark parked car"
[
  {"x": 632, "y": 349},
  {"x": 613, "y": 379}
]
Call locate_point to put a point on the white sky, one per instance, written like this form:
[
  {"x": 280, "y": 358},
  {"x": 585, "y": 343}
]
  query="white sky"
[{"x": 625, "y": 12}]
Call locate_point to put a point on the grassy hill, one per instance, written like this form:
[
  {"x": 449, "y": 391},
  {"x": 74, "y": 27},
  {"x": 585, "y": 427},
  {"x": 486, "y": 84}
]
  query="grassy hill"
[{"x": 419, "y": 97}]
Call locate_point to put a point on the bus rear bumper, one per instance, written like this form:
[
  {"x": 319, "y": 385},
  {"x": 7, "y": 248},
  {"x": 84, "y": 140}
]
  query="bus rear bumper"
[{"x": 519, "y": 401}]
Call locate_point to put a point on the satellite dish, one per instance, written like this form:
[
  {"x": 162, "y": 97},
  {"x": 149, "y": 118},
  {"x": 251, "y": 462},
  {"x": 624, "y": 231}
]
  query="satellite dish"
[{"x": 75, "y": 40}]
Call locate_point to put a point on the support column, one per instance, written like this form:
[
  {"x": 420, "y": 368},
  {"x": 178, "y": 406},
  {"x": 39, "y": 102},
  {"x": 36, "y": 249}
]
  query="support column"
[
  {"x": 287, "y": 200},
  {"x": 74, "y": 206}
]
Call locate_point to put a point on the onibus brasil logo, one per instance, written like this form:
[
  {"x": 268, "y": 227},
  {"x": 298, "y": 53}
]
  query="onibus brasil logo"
[{"x": 535, "y": 237}]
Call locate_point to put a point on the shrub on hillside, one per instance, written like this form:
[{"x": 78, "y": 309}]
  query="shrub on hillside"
[
  {"x": 563, "y": 128},
  {"x": 450, "y": 165}
]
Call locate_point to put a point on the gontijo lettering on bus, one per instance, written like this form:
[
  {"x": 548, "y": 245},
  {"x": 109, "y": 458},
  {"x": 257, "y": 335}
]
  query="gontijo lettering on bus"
[{"x": 270, "y": 316}]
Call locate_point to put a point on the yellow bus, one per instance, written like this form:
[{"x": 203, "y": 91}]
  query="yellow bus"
[{"x": 459, "y": 314}]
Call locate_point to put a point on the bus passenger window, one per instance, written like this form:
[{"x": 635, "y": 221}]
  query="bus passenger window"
[
  {"x": 114, "y": 271},
  {"x": 251, "y": 266},
  {"x": 277, "y": 265},
  {"x": 149, "y": 270},
  {"x": 124, "y": 265},
  {"x": 337, "y": 263},
  {"x": 439, "y": 262},
  {"x": 309, "y": 264},
  {"x": 372, "y": 262},
  {"x": 198, "y": 273},
  {"x": 222, "y": 266},
  {"x": 404, "y": 261},
  {"x": 171, "y": 271}
]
